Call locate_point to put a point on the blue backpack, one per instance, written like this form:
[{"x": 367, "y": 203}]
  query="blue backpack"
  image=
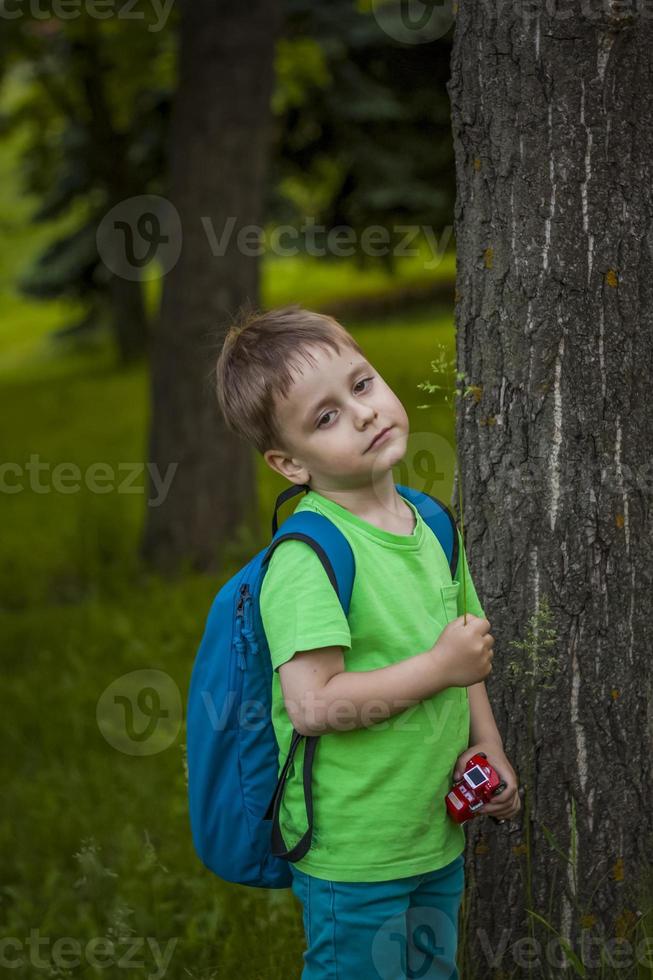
[{"x": 232, "y": 752}]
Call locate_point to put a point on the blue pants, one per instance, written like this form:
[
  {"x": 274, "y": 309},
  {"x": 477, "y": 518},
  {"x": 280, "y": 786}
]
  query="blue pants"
[{"x": 400, "y": 929}]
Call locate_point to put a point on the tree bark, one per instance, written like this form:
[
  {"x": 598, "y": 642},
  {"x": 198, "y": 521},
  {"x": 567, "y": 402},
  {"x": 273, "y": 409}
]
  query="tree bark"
[
  {"x": 220, "y": 134},
  {"x": 552, "y": 112}
]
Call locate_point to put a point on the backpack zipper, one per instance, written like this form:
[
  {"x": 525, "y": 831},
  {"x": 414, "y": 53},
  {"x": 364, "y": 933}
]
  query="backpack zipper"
[
  {"x": 245, "y": 636},
  {"x": 239, "y": 642}
]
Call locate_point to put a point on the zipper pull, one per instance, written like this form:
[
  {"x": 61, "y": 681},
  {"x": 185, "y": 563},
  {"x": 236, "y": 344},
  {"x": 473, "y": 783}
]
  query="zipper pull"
[
  {"x": 240, "y": 649},
  {"x": 239, "y": 642},
  {"x": 248, "y": 626}
]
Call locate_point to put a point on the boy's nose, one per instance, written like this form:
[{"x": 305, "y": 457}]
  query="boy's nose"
[{"x": 365, "y": 416}]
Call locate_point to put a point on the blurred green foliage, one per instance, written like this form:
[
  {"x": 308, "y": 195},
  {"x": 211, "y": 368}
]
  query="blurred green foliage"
[{"x": 361, "y": 139}]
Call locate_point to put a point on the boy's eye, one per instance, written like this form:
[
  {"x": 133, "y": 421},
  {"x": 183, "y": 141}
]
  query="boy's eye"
[{"x": 326, "y": 414}]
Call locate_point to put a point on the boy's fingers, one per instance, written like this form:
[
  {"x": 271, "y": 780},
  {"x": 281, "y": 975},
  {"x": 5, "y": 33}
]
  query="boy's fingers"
[
  {"x": 508, "y": 809},
  {"x": 501, "y": 799}
]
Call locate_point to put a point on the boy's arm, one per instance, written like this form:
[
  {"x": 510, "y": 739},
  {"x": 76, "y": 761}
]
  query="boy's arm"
[
  {"x": 321, "y": 697},
  {"x": 484, "y": 734},
  {"x": 482, "y": 726}
]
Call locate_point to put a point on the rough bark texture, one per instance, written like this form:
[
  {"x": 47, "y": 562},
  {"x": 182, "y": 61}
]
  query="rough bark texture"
[
  {"x": 220, "y": 133},
  {"x": 552, "y": 111}
]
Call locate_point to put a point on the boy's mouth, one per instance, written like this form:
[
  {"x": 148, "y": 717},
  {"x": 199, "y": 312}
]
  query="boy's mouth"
[{"x": 378, "y": 436}]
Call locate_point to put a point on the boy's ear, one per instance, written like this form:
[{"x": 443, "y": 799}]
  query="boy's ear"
[{"x": 286, "y": 467}]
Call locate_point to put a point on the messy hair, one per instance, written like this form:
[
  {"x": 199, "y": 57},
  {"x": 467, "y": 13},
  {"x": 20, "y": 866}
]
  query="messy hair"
[{"x": 255, "y": 367}]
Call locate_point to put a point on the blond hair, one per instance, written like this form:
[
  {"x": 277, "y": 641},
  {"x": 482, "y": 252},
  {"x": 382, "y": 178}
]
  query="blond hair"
[{"x": 255, "y": 367}]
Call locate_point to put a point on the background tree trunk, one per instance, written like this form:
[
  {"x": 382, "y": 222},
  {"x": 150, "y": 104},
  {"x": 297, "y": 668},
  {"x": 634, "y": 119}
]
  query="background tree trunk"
[
  {"x": 128, "y": 318},
  {"x": 220, "y": 132},
  {"x": 553, "y": 128}
]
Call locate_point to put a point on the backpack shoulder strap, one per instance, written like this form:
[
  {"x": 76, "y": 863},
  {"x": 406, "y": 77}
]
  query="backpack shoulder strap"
[
  {"x": 330, "y": 545},
  {"x": 334, "y": 551},
  {"x": 439, "y": 518}
]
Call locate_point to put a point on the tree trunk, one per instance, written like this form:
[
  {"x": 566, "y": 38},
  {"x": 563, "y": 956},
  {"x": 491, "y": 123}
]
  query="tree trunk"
[
  {"x": 220, "y": 134},
  {"x": 552, "y": 111},
  {"x": 128, "y": 319}
]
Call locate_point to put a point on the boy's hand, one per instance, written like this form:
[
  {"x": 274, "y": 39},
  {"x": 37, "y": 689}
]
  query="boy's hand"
[
  {"x": 465, "y": 651},
  {"x": 506, "y": 804}
]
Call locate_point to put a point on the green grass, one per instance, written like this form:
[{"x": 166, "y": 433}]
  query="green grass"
[{"x": 314, "y": 283}]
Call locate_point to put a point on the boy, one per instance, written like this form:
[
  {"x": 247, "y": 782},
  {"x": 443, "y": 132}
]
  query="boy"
[{"x": 395, "y": 690}]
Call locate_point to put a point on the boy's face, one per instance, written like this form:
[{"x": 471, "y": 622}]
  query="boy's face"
[{"x": 331, "y": 415}]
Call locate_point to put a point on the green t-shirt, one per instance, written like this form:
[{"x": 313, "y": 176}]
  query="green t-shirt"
[{"x": 378, "y": 792}]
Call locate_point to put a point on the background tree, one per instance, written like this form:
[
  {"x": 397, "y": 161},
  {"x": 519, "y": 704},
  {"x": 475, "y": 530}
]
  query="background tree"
[
  {"x": 553, "y": 133},
  {"x": 219, "y": 149}
]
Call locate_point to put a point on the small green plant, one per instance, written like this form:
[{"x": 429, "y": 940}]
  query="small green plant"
[
  {"x": 454, "y": 386},
  {"x": 538, "y": 665}
]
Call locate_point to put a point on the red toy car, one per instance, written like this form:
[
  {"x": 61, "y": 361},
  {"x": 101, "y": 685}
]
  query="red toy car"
[{"x": 477, "y": 785}]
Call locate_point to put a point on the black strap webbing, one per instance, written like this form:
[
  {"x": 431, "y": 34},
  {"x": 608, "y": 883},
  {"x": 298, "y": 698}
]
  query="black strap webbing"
[
  {"x": 286, "y": 495},
  {"x": 272, "y": 812}
]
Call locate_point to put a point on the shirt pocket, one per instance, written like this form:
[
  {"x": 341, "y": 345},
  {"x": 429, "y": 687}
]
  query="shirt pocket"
[{"x": 449, "y": 599}]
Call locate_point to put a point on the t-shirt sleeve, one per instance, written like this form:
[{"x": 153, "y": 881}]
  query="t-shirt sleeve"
[
  {"x": 473, "y": 604},
  {"x": 299, "y": 607}
]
